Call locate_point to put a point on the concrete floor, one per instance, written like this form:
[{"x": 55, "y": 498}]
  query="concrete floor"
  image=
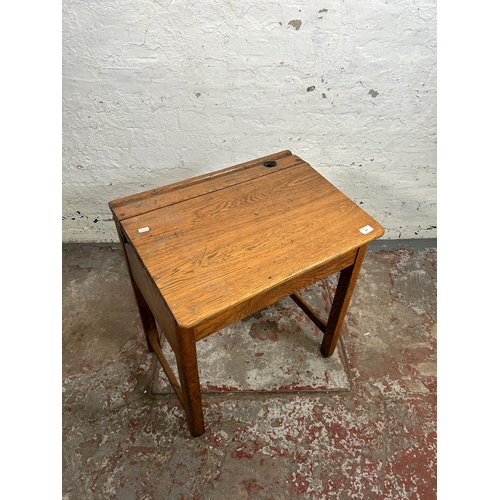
[{"x": 363, "y": 426}]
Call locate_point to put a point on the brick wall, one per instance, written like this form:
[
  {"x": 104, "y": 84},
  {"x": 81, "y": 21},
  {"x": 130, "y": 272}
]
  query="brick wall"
[{"x": 157, "y": 91}]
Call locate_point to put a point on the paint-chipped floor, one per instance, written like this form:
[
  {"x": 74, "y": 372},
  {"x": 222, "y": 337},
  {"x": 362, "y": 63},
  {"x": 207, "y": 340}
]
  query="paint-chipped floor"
[{"x": 363, "y": 426}]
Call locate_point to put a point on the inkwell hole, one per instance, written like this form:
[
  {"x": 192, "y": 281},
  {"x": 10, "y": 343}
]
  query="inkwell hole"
[{"x": 269, "y": 164}]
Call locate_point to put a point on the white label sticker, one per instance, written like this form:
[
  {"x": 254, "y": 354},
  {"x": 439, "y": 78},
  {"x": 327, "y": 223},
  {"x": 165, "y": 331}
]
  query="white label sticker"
[
  {"x": 143, "y": 229},
  {"x": 366, "y": 229}
]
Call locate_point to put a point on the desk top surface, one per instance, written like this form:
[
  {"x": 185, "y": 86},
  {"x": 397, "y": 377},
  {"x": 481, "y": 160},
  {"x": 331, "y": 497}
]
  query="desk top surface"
[{"x": 213, "y": 241}]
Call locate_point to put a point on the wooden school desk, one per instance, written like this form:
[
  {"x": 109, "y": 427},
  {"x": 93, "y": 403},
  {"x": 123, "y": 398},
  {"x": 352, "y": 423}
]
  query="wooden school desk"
[{"x": 211, "y": 250}]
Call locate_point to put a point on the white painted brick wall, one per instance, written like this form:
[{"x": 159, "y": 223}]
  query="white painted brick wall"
[{"x": 156, "y": 91}]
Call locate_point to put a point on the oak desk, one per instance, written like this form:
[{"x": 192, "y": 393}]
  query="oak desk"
[{"x": 209, "y": 251}]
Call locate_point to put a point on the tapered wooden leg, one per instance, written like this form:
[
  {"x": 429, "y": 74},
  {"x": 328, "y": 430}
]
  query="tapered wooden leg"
[
  {"x": 147, "y": 318},
  {"x": 187, "y": 366},
  {"x": 343, "y": 294}
]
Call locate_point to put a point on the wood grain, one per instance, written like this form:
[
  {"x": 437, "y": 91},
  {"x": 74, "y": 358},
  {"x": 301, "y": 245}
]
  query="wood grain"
[
  {"x": 251, "y": 304},
  {"x": 197, "y": 186},
  {"x": 208, "y": 254}
]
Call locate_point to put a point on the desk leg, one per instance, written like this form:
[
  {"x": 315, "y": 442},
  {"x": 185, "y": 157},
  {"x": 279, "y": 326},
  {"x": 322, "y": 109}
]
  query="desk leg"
[
  {"x": 187, "y": 366},
  {"x": 345, "y": 287},
  {"x": 147, "y": 318}
]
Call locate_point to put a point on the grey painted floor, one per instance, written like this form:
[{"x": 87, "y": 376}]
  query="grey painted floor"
[{"x": 367, "y": 432}]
